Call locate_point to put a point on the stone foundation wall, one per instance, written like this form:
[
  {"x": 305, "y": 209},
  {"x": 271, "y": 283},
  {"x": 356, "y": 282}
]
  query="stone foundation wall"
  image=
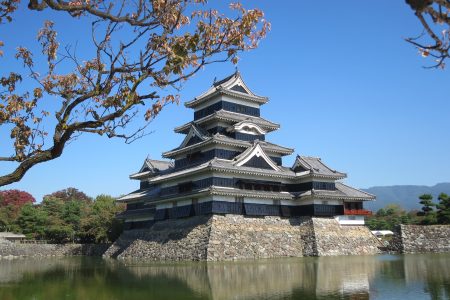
[
  {"x": 11, "y": 250},
  {"x": 232, "y": 237},
  {"x": 334, "y": 239},
  {"x": 422, "y": 239},
  {"x": 178, "y": 239},
  {"x": 238, "y": 237}
]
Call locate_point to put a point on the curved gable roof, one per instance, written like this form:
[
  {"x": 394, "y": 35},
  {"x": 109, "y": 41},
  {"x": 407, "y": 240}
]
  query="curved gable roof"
[{"x": 233, "y": 85}]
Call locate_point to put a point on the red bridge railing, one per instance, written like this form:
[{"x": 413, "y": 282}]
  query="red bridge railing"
[{"x": 357, "y": 212}]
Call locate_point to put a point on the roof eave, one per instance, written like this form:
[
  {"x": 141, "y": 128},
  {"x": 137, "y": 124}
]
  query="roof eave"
[
  {"x": 177, "y": 151},
  {"x": 142, "y": 175},
  {"x": 198, "y": 100},
  {"x": 332, "y": 197}
]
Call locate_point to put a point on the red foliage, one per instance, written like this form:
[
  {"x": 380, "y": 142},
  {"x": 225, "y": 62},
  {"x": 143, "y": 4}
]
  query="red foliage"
[
  {"x": 15, "y": 198},
  {"x": 69, "y": 194}
]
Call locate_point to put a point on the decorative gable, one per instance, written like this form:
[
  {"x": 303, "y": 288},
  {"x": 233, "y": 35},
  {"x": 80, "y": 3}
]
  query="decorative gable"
[
  {"x": 238, "y": 88},
  {"x": 195, "y": 135},
  {"x": 236, "y": 83},
  {"x": 247, "y": 127},
  {"x": 255, "y": 157}
]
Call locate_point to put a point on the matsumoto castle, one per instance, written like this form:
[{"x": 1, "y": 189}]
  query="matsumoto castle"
[{"x": 224, "y": 165}]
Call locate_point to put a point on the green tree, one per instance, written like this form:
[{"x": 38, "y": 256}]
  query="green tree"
[
  {"x": 381, "y": 213},
  {"x": 443, "y": 213},
  {"x": 428, "y": 213},
  {"x": 33, "y": 221},
  {"x": 8, "y": 216},
  {"x": 388, "y": 218},
  {"x": 101, "y": 225},
  {"x": 57, "y": 230}
]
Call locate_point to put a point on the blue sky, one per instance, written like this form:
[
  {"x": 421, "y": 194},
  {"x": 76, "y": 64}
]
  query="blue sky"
[{"x": 341, "y": 81}]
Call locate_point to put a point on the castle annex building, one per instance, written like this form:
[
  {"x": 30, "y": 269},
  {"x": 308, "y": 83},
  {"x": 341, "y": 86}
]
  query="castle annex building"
[{"x": 225, "y": 165}]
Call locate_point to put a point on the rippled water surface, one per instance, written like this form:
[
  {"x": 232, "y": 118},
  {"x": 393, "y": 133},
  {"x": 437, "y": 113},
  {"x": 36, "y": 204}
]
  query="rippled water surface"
[{"x": 360, "y": 277}]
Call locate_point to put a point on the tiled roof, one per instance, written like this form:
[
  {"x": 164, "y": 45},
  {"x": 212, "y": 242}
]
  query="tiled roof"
[
  {"x": 223, "y": 115},
  {"x": 152, "y": 167},
  {"x": 315, "y": 166},
  {"x": 227, "y": 86},
  {"x": 140, "y": 194},
  {"x": 352, "y": 192},
  {"x": 225, "y": 166},
  {"x": 212, "y": 190},
  {"x": 342, "y": 192},
  {"x": 223, "y": 139},
  {"x": 159, "y": 165}
]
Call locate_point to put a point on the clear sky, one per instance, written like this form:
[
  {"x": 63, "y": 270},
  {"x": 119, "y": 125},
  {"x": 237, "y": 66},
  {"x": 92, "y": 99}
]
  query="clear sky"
[{"x": 342, "y": 83}]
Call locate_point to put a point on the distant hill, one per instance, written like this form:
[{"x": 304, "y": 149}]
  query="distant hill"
[{"x": 407, "y": 196}]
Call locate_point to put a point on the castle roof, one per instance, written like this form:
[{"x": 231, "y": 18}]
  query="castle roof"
[
  {"x": 232, "y": 117},
  {"x": 232, "y": 85},
  {"x": 315, "y": 166},
  {"x": 221, "y": 139},
  {"x": 342, "y": 192},
  {"x": 229, "y": 166},
  {"x": 152, "y": 167}
]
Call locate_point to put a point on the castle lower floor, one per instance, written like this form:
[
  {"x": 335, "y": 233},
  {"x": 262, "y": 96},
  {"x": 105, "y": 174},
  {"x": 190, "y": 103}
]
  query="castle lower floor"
[{"x": 145, "y": 216}]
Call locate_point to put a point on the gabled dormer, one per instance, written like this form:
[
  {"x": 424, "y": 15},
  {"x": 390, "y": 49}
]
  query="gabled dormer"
[
  {"x": 255, "y": 157},
  {"x": 235, "y": 83},
  {"x": 195, "y": 135}
]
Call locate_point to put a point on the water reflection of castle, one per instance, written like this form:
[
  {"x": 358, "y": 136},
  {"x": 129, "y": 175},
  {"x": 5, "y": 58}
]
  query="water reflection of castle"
[{"x": 272, "y": 279}]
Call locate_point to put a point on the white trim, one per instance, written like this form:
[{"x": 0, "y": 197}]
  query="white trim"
[
  {"x": 241, "y": 127},
  {"x": 258, "y": 201},
  {"x": 258, "y": 152},
  {"x": 223, "y": 198}
]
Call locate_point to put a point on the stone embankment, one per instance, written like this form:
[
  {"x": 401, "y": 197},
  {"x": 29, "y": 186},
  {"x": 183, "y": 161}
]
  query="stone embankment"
[
  {"x": 233, "y": 237},
  {"x": 333, "y": 239},
  {"x": 13, "y": 250},
  {"x": 182, "y": 239},
  {"x": 421, "y": 239}
]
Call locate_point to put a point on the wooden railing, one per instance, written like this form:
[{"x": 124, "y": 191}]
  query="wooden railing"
[{"x": 357, "y": 212}]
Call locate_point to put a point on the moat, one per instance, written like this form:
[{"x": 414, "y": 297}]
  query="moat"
[{"x": 347, "y": 277}]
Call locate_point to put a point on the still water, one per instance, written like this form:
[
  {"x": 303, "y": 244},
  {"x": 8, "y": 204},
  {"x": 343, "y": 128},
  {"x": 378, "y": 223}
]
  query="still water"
[{"x": 359, "y": 277}]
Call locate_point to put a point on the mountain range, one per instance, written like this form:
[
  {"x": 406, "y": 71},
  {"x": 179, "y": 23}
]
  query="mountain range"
[{"x": 407, "y": 196}]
